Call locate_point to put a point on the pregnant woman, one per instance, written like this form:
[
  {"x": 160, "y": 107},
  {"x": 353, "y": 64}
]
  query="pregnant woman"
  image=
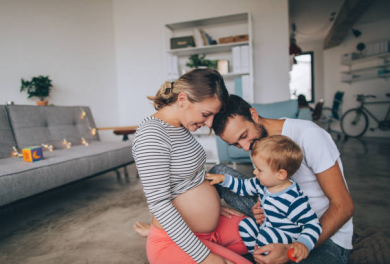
[{"x": 186, "y": 224}]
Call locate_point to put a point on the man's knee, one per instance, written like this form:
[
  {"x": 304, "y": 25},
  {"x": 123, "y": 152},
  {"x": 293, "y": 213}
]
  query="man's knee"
[{"x": 218, "y": 169}]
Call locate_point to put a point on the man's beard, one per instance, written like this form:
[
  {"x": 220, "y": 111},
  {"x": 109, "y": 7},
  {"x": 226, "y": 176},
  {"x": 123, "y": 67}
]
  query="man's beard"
[{"x": 262, "y": 132}]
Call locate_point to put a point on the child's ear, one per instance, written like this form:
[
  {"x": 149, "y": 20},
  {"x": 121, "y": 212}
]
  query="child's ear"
[{"x": 282, "y": 175}]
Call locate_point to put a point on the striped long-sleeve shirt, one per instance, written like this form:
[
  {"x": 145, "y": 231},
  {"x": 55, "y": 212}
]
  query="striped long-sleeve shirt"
[
  {"x": 170, "y": 161},
  {"x": 288, "y": 210}
]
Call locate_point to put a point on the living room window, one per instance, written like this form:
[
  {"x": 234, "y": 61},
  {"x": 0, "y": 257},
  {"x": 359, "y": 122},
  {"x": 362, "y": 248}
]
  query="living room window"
[{"x": 302, "y": 77}]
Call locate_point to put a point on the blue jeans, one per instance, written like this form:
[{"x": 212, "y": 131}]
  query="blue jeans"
[{"x": 327, "y": 253}]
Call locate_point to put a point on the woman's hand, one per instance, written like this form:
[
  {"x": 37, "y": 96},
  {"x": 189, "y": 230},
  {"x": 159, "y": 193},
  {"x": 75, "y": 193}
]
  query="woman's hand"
[
  {"x": 229, "y": 212},
  {"x": 215, "y": 259},
  {"x": 258, "y": 213},
  {"x": 215, "y": 178}
]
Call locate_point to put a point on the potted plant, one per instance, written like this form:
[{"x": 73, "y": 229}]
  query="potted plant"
[
  {"x": 200, "y": 62},
  {"x": 38, "y": 87}
]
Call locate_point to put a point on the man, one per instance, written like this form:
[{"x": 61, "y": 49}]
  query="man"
[{"x": 320, "y": 178}]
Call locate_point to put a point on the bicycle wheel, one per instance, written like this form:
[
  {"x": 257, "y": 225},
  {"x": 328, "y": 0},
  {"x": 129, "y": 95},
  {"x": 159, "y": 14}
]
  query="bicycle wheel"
[{"x": 354, "y": 123}]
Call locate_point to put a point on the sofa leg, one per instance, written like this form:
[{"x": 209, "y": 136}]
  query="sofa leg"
[
  {"x": 118, "y": 175},
  {"x": 126, "y": 174}
]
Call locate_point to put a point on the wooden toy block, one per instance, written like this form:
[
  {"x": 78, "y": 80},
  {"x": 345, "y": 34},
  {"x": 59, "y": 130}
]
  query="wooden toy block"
[{"x": 32, "y": 154}]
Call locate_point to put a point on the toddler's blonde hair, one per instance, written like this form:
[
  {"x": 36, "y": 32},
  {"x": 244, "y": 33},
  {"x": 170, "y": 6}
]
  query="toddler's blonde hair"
[{"x": 279, "y": 152}]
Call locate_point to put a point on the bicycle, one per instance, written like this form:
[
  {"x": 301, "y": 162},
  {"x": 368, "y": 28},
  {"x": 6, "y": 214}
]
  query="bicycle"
[{"x": 354, "y": 122}]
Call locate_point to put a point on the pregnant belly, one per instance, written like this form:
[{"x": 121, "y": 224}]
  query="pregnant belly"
[{"x": 199, "y": 208}]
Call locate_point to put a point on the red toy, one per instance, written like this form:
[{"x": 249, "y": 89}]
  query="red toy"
[{"x": 290, "y": 253}]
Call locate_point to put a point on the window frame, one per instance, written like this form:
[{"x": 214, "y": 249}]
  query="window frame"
[{"x": 311, "y": 53}]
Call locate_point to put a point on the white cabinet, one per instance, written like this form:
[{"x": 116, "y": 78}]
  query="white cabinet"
[
  {"x": 372, "y": 67},
  {"x": 215, "y": 27}
]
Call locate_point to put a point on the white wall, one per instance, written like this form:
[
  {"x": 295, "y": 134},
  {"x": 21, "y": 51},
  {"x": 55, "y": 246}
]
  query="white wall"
[
  {"x": 108, "y": 54},
  {"x": 140, "y": 54},
  {"x": 374, "y": 27},
  {"x": 71, "y": 41}
]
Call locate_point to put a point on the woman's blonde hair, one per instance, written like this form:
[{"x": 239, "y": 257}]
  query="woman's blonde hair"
[
  {"x": 279, "y": 152},
  {"x": 198, "y": 85}
]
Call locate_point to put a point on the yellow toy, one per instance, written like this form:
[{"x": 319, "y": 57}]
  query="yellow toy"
[{"x": 32, "y": 154}]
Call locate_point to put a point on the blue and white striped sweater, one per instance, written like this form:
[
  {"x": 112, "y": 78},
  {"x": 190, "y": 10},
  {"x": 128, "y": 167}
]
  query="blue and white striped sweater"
[{"x": 288, "y": 210}]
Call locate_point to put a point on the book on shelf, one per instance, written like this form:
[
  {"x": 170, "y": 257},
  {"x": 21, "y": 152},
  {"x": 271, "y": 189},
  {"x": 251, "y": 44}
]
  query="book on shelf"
[
  {"x": 172, "y": 67},
  {"x": 247, "y": 91},
  {"x": 204, "y": 39},
  {"x": 236, "y": 59},
  {"x": 208, "y": 38},
  {"x": 198, "y": 37},
  {"x": 244, "y": 52},
  {"x": 240, "y": 59}
]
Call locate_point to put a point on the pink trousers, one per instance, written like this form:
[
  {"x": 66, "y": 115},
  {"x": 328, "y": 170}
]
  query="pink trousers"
[{"x": 224, "y": 241}]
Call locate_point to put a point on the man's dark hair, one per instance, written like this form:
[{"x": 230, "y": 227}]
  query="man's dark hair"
[{"x": 236, "y": 106}]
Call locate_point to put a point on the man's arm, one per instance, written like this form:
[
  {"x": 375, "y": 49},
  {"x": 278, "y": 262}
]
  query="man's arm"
[{"x": 340, "y": 202}]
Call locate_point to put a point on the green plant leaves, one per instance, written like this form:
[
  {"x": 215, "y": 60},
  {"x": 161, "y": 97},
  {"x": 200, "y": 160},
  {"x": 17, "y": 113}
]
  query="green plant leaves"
[
  {"x": 195, "y": 61},
  {"x": 37, "y": 86}
]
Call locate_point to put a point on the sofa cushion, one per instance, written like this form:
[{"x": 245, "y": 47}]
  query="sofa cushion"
[
  {"x": 36, "y": 125},
  {"x": 7, "y": 140},
  {"x": 276, "y": 110},
  {"x": 21, "y": 179}
]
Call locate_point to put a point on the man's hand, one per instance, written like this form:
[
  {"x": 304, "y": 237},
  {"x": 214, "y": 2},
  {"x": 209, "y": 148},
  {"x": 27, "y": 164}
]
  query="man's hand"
[
  {"x": 277, "y": 254},
  {"x": 300, "y": 251},
  {"x": 258, "y": 213},
  {"x": 215, "y": 178},
  {"x": 229, "y": 212}
]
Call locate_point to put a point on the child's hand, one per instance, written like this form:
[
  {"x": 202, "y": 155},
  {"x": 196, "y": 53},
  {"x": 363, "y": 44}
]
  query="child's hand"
[
  {"x": 300, "y": 251},
  {"x": 215, "y": 178}
]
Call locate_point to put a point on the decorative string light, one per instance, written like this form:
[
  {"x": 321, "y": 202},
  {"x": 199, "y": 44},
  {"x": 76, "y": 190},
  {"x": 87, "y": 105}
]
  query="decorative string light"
[
  {"x": 84, "y": 115},
  {"x": 16, "y": 153},
  {"x": 48, "y": 147},
  {"x": 67, "y": 143},
  {"x": 84, "y": 142}
]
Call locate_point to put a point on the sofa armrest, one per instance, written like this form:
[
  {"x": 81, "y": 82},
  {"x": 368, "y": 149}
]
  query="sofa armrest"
[
  {"x": 118, "y": 128},
  {"x": 305, "y": 113}
]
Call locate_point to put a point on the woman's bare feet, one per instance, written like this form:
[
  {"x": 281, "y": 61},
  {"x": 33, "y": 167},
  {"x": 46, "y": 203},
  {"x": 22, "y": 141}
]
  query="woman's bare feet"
[{"x": 142, "y": 229}]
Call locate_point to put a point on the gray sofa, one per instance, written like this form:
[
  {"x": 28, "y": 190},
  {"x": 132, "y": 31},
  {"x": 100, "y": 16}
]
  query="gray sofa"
[{"x": 25, "y": 126}]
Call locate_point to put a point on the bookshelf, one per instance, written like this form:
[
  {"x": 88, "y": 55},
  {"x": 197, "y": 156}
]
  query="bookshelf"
[{"x": 216, "y": 28}]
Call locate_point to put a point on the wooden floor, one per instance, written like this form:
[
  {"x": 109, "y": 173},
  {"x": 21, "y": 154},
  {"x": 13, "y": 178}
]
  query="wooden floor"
[{"x": 91, "y": 221}]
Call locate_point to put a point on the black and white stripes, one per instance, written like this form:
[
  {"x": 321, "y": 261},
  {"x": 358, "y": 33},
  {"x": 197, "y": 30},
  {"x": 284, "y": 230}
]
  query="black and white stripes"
[{"x": 170, "y": 161}]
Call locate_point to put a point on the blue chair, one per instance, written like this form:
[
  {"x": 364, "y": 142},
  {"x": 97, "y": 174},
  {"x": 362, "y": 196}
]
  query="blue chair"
[{"x": 332, "y": 115}]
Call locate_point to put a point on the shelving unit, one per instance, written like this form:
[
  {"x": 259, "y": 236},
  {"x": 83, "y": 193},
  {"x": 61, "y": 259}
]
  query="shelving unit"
[
  {"x": 382, "y": 61},
  {"x": 216, "y": 27},
  {"x": 207, "y": 49}
]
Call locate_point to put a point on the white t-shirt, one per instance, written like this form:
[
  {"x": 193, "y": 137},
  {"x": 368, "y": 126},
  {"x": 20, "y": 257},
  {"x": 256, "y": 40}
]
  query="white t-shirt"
[{"x": 319, "y": 154}]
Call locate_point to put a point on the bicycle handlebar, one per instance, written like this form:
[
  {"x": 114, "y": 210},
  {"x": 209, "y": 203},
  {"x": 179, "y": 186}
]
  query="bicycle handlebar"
[
  {"x": 366, "y": 96},
  {"x": 362, "y": 97}
]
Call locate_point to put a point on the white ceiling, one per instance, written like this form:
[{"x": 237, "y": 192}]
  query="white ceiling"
[{"x": 311, "y": 17}]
